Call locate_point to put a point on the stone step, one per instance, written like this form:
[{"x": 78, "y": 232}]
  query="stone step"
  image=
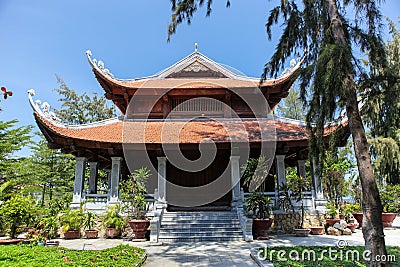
[
  {"x": 227, "y": 216},
  {"x": 212, "y": 213},
  {"x": 201, "y": 230},
  {"x": 200, "y": 234},
  {"x": 175, "y": 222},
  {"x": 201, "y": 225},
  {"x": 200, "y": 239}
]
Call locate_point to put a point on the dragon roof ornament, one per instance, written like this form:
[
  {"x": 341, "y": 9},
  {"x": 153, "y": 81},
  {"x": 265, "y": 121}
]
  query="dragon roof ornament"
[{"x": 43, "y": 109}]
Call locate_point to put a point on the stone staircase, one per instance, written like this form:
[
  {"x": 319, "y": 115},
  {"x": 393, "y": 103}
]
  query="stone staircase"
[{"x": 199, "y": 226}]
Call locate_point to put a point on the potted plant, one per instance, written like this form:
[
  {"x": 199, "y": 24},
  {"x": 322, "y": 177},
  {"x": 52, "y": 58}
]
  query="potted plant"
[
  {"x": 332, "y": 213},
  {"x": 390, "y": 198},
  {"x": 133, "y": 192},
  {"x": 71, "y": 223},
  {"x": 113, "y": 221},
  {"x": 258, "y": 206},
  {"x": 89, "y": 223},
  {"x": 298, "y": 186}
]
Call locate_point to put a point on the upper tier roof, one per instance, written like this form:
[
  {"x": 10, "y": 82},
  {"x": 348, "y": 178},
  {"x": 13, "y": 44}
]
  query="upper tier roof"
[{"x": 196, "y": 71}]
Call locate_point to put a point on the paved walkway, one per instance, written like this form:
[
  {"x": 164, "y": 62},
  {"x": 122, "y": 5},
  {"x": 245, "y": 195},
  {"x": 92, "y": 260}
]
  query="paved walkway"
[{"x": 219, "y": 254}]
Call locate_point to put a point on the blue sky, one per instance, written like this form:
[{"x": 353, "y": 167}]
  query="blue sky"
[{"x": 46, "y": 37}]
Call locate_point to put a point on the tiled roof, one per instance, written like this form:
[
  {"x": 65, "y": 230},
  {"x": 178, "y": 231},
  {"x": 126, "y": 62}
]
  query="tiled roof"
[{"x": 194, "y": 131}]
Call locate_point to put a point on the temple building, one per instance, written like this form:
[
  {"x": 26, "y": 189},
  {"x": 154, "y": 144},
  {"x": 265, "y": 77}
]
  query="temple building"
[{"x": 173, "y": 123}]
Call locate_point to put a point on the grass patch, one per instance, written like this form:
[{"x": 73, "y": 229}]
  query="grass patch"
[
  {"x": 27, "y": 255},
  {"x": 321, "y": 256}
]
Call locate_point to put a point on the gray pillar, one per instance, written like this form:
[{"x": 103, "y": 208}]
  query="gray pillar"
[
  {"x": 301, "y": 168},
  {"x": 79, "y": 181},
  {"x": 280, "y": 170},
  {"x": 317, "y": 182},
  {"x": 93, "y": 177},
  {"x": 235, "y": 178},
  {"x": 162, "y": 179},
  {"x": 114, "y": 179}
]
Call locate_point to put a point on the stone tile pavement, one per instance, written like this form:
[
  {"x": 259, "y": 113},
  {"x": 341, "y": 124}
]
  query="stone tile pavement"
[{"x": 219, "y": 254}]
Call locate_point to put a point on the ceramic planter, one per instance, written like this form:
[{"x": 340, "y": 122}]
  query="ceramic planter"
[
  {"x": 112, "y": 232},
  {"x": 71, "y": 234},
  {"x": 388, "y": 218},
  {"x": 139, "y": 228},
  {"x": 91, "y": 234},
  {"x": 317, "y": 230},
  {"x": 332, "y": 221},
  {"x": 352, "y": 227},
  {"x": 261, "y": 227},
  {"x": 358, "y": 216}
]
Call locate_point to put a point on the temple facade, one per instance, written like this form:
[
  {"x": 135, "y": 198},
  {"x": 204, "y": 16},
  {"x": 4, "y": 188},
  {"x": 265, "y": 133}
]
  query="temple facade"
[{"x": 173, "y": 123}]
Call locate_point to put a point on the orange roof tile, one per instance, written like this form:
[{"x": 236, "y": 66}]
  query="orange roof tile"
[{"x": 194, "y": 131}]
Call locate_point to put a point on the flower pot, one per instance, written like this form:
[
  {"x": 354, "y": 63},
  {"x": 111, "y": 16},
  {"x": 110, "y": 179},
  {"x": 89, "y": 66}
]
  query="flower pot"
[
  {"x": 139, "y": 228},
  {"x": 71, "y": 234},
  {"x": 261, "y": 227},
  {"x": 91, "y": 234},
  {"x": 302, "y": 232},
  {"x": 388, "y": 218},
  {"x": 332, "y": 221},
  {"x": 112, "y": 232},
  {"x": 352, "y": 227},
  {"x": 359, "y": 217},
  {"x": 317, "y": 230}
]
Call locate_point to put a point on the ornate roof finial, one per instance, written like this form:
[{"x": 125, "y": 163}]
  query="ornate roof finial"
[{"x": 195, "y": 47}]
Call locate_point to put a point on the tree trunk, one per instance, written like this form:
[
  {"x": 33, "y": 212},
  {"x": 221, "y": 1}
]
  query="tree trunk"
[{"x": 372, "y": 227}]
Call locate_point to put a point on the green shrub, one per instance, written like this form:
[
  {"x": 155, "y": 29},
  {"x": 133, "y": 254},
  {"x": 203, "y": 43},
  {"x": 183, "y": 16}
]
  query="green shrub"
[
  {"x": 71, "y": 220},
  {"x": 17, "y": 211},
  {"x": 259, "y": 204},
  {"x": 390, "y": 198},
  {"x": 113, "y": 219}
]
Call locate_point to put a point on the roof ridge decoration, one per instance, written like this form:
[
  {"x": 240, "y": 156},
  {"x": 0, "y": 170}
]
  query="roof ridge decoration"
[
  {"x": 43, "y": 110},
  {"x": 199, "y": 60},
  {"x": 98, "y": 64}
]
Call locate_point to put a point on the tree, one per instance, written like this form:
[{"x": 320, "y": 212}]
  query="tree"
[
  {"x": 383, "y": 113},
  {"x": 81, "y": 109},
  {"x": 54, "y": 172},
  {"x": 292, "y": 106},
  {"x": 12, "y": 139},
  {"x": 330, "y": 72},
  {"x": 335, "y": 185}
]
